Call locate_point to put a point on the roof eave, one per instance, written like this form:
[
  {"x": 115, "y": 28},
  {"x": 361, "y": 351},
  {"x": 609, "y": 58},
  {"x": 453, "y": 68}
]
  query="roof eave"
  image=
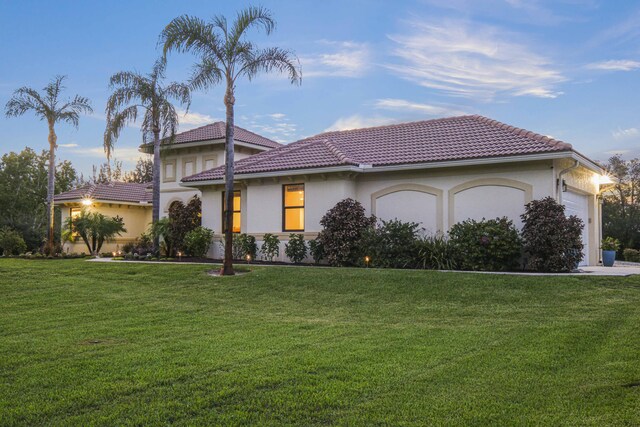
[
  {"x": 120, "y": 202},
  {"x": 148, "y": 148}
]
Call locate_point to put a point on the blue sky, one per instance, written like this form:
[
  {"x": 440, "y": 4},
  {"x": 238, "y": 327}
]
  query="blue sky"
[{"x": 565, "y": 68}]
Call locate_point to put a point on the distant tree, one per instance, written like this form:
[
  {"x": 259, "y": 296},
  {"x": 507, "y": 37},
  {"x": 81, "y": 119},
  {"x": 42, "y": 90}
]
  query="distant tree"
[
  {"x": 225, "y": 55},
  {"x": 106, "y": 173},
  {"x": 142, "y": 172},
  {"x": 133, "y": 94},
  {"x": 23, "y": 192},
  {"x": 49, "y": 107},
  {"x": 621, "y": 203}
]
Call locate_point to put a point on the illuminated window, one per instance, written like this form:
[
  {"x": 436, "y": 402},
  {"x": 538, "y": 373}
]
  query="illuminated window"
[
  {"x": 236, "y": 212},
  {"x": 74, "y": 212},
  {"x": 293, "y": 207}
]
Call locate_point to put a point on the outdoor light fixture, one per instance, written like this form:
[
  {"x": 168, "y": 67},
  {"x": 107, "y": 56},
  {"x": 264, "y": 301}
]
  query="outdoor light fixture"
[
  {"x": 564, "y": 186},
  {"x": 248, "y": 257},
  {"x": 180, "y": 256},
  {"x": 605, "y": 179},
  {"x": 87, "y": 202},
  {"x": 114, "y": 254},
  {"x": 366, "y": 261}
]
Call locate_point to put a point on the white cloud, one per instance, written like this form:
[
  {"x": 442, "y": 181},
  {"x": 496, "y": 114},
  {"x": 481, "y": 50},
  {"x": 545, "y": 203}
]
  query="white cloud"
[
  {"x": 615, "y": 65},
  {"x": 275, "y": 126},
  {"x": 191, "y": 119},
  {"x": 346, "y": 59},
  {"x": 625, "y": 133},
  {"x": 129, "y": 154},
  {"x": 277, "y": 116},
  {"x": 71, "y": 145},
  {"x": 472, "y": 60},
  {"x": 357, "y": 121},
  {"x": 428, "y": 109}
]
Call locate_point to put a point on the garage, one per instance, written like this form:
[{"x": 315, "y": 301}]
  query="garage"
[{"x": 578, "y": 204}]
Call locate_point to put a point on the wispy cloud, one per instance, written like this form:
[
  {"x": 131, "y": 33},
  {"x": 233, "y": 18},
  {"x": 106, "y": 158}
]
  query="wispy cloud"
[
  {"x": 127, "y": 154},
  {"x": 625, "y": 133},
  {"x": 70, "y": 145},
  {"x": 615, "y": 65},
  {"x": 627, "y": 30},
  {"x": 472, "y": 60},
  {"x": 342, "y": 59},
  {"x": 192, "y": 119},
  {"x": 275, "y": 126},
  {"x": 408, "y": 106},
  {"x": 357, "y": 121}
]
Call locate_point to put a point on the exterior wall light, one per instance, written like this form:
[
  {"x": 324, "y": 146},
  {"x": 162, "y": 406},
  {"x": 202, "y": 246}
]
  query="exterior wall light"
[{"x": 87, "y": 202}]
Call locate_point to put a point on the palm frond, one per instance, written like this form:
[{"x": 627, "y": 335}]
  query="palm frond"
[
  {"x": 178, "y": 91},
  {"x": 205, "y": 74},
  {"x": 252, "y": 16},
  {"x": 168, "y": 119},
  {"x": 188, "y": 33},
  {"x": 53, "y": 90},
  {"x": 115, "y": 123},
  {"x": 157, "y": 73},
  {"x": 25, "y": 99},
  {"x": 271, "y": 59}
]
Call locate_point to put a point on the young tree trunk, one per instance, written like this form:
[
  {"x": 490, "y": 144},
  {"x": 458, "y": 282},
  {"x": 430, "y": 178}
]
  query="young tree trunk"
[
  {"x": 227, "y": 267},
  {"x": 51, "y": 186},
  {"x": 156, "y": 184}
]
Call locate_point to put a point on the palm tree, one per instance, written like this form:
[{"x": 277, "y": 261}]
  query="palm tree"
[
  {"x": 133, "y": 92},
  {"x": 48, "y": 106},
  {"x": 224, "y": 56}
]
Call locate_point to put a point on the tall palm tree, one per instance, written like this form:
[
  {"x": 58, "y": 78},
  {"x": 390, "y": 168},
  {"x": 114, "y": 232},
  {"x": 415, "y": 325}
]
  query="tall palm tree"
[
  {"x": 48, "y": 106},
  {"x": 225, "y": 55},
  {"x": 133, "y": 92}
]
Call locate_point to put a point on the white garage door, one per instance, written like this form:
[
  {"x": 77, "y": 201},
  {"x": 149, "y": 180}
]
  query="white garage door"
[{"x": 578, "y": 205}]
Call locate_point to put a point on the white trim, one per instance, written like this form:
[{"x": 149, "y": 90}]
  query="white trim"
[
  {"x": 589, "y": 164},
  {"x": 180, "y": 145},
  {"x": 103, "y": 201}
]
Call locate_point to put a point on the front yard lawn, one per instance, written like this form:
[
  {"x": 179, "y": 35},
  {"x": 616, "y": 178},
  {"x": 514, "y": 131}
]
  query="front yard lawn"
[{"x": 115, "y": 344}]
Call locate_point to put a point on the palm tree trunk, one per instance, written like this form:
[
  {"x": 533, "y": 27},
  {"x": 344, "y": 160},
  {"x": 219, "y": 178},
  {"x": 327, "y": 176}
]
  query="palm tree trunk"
[
  {"x": 51, "y": 186},
  {"x": 155, "y": 216},
  {"x": 229, "y": 101}
]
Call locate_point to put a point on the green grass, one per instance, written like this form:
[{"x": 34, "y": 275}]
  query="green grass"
[{"x": 95, "y": 343}]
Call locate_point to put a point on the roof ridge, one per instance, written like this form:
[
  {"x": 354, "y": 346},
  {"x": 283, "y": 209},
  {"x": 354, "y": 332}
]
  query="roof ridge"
[
  {"x": 391, "y": 125},
  {"x": 523, "y": 132},
  {"x": 342, "y": 157}
]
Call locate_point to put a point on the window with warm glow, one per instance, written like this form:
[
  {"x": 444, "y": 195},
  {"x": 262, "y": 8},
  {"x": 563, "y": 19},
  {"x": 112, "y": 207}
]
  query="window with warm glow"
[
  {"x": 293, "y": 207},
  {"x": 236, "y": 212},
  {"x": 74, "y": 212}
]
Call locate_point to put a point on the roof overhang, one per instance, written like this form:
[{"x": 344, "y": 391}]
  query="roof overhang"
[
  {"x": 148, "y": 148},
  {"x": 113, "y": 202},
  {"x": 584, "y": 161}
]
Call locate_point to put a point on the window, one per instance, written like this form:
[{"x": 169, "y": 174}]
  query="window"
[
  {"x": 169, "y": 171},
  {"x": 74, "y": 212},
  {"x": 293, "y": 207},
  {"x": 236, "y": 212}
]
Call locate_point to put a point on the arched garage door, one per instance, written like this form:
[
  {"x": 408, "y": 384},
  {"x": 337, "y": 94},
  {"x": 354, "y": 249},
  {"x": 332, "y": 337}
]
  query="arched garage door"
[{"x": 578, "y": 204}]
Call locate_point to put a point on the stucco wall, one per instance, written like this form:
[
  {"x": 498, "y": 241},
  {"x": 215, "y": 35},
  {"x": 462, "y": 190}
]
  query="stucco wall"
[{"x": 136, "y": 221}]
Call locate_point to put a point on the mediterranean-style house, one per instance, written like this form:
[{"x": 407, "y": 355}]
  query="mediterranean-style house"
[
  {"x": 434, "y": 172},
  {"x": 191, "y": 152}
]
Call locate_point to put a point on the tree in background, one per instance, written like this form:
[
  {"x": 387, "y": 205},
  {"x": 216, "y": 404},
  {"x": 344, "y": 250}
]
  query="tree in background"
[
  {"x": 224, "y": 56},
  {"x": 621, "y": 203},
  {"x": 134, "y": 93},
  {"x": 49, "y": 107},
  {"x": 141, "y": 173},
  {"x": 23, "y": 192}
]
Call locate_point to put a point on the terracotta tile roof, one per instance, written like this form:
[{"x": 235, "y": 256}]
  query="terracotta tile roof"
[
  {"x": 454, "y": 138},
  {"x": 217, "y": 130},
  {"x": 113, "y": 192}
]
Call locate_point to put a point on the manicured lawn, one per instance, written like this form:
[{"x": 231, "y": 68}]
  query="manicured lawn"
[{"x": 90, "y": 343}]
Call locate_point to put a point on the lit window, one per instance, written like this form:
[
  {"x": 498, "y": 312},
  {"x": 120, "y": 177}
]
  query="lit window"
[
  {"x": 74, "y": 212},
  {"x": 236, "y": 212},
  {"x": 293, "y": 207}
]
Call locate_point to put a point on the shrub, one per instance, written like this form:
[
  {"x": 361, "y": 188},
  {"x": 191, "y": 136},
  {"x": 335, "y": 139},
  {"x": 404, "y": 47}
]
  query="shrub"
[
  {"x": 11, "y": 242},
  {"x": 270, "y": 247},
  {"x": 491, "y": 245},
  {"x": 128, "y": 247},
  {"x": 143, "y": 244},
  {"x": 552, "y": 241},
  {"x": 435, "y": 253},
  {"x": 296, "y": 248},
  {"x": 316, "y": 250},
  {"x": 390, "y": 245},
  {"x": 343, "y": 226},
  {"x": 631, "y": 255},
  {"x": 95, "y": 228},
  {"x": 182, "y": 219},
  {"x": 198, "y": 241},
  {"x": 610, "y": 244},
  {"x": 243, "y": 245}
]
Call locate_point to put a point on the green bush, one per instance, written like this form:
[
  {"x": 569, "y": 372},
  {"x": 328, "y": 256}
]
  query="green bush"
[
  {"x": 296, "y": 248},
  {"x": 316, "y": 250},
  {"x": 270, "y": 246},
  {"x": 243, "y": 245},
  {"x": 343, "y": 226},
  {"x": 631, "y": 255},
  {"x": 198, "y": 241},
  {"x": 489, "y": 245},
  {"x": 552, "y": 241},
  {"x": 11, "y": 242},
  {"x": 390, "y": 245},
  {"x": 435, "y": 253},
  {"x": 610, "y": 244}
]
